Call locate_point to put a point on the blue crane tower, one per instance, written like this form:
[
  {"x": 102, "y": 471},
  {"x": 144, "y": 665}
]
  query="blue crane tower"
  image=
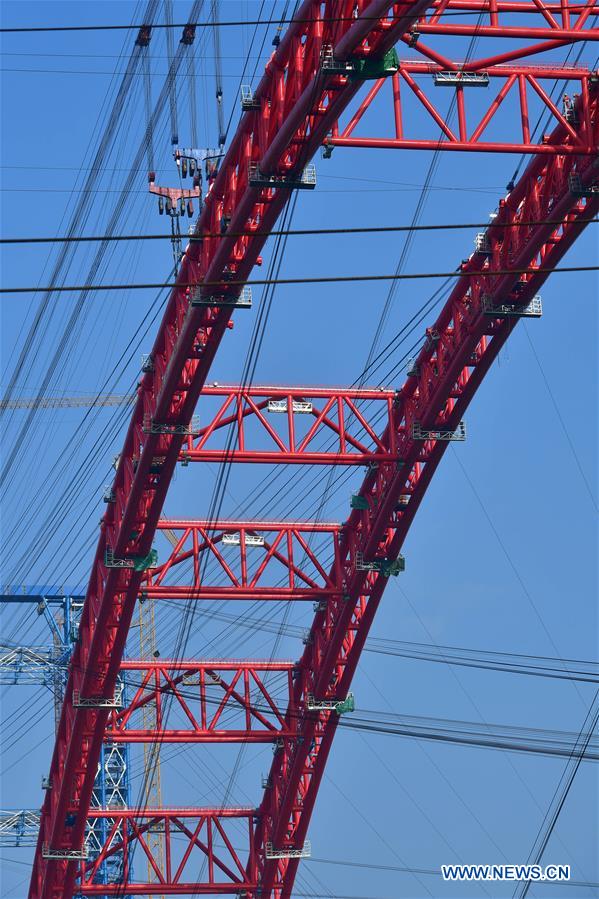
[{"x": 48, "y": 666}]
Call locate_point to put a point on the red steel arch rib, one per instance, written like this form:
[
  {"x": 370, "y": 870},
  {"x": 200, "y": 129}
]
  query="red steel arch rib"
[
  {"x": 461, "y": 346},
  {"x": 296, "y": 106},
  {"x": 293, "y": 117}
]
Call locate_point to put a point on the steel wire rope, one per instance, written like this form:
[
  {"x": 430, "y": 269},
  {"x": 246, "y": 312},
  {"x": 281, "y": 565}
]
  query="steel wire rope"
[
  {"x": 80, "y": 169},
  {"x": 177, "y": 60},
  {"x": 81, "y": 478},
  {"x": 516, "y": 572},
  {"x": 561, "y": 793},
  {"x": 287, "y": 607},
  {"x": 240, "y": 22},
  {"x": 331, "y": 279},
  {"x": 560, "y": 418},
  {"x": 10, "y": 721},
  {"x": 183, "y": 628},
  {"x": 47, "y": 436},
  {"x": 218, "y": 74},
  {"x": 105, "y": 437},
  {"x": 447, "y": 654},
  {"x": 60, "y": 368},
  {"x": 402, "y": 259},
  {"x": 288, "y": 213},
  {"x": 170, "y": 52},
  {"x": 57, "y": 364},
  {"x": 118, "y": 107},
  {"x": 293, "y": 232},
  {"x": 220, "y": 486},
  {"x": 524, "y": 739},
  {"x": 155, "y": 116},
  {"x": 93, "y": 324},
  {"x": 556, "y": 87},
  {"x": 44, "y": 527},
  {"x": 152, "y": 320}
]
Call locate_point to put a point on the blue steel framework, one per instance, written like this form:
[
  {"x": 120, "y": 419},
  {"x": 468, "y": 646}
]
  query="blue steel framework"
[{"x": 48, "y": 666}]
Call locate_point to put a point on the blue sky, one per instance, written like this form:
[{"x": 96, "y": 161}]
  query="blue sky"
[{"x": 502, "y": 555}]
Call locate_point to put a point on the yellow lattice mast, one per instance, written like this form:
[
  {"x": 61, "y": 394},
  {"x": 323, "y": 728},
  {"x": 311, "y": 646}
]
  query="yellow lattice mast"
[{"x": 153, "y": 793}]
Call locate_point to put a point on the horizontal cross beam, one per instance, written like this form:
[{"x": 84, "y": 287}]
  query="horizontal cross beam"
[
  {"x": 291, "y": 425},
  {"x": 213, "y": 701},
  {"x": 176, "y": 844},
  {"x": 246, "y": 560},
  {"x": 418, "y": 93},
  {"x": 563, "y": 22}
]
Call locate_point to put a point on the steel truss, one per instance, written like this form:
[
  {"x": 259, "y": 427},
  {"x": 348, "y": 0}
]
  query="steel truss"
[
  {"x": 515, "y": 84},
  {"x": 221, "y": 701},
  {"x": 294, "y": 108},
  {"x": 456, "y": 355},
  {"x": 562, "y": 21},
  {"x": 256, "y": 560},
  {"x": 287, "y": 424},
  {"x": 19, "y": 827},
  {"x": 188, "y": 837}
]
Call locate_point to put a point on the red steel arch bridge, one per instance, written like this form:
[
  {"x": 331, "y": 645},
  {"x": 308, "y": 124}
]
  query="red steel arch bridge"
[{"x": 333, "y": 60}]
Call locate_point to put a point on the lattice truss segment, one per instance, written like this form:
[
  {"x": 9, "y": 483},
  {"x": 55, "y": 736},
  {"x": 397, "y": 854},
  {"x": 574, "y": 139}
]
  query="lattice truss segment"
[
  {"x": 246, "y": 560},
  {"x": 212, "y": 701},
  {"x": 191, "y": 840},
  {"x": 485, "y": 118},
  {"x": 416, "y": 89},
  {"x": 294, "y": 108},
  {"x": 456, "y": 354},
  {"x": 291, "y": 425},
  {"x": 560, "y": 21}
]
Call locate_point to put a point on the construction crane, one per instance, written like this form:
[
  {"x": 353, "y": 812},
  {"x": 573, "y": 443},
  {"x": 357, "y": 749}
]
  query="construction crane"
[
  {"x": 305, "y": 102},
  {"x": 68, "y": 402},
  {"x": 151, "y": 751},
  {"x": 48, "y": 666}
]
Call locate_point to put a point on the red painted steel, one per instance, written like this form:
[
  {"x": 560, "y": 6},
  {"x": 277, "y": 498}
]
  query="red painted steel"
[
  {"x": 297, "y": 107},
  {"x": 516, "y": 84},
  {"x": 294, "y": 115},
  {"x": 562, "y": 21},
  {"x": 191, "y": 839},
  {"x": 456, "y": 355},
  {"x": 293, "y": 436},
  {"x": 251, "y": 560},
  {"x": 217, "y": 701}
]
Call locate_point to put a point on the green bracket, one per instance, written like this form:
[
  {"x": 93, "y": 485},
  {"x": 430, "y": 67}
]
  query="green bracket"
[
  {"x": 142, "y": 563},
  {"x": 346, "y": 705},
  {"x": 392, "y": 567},
  {"x": 372, "y": 69}
]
